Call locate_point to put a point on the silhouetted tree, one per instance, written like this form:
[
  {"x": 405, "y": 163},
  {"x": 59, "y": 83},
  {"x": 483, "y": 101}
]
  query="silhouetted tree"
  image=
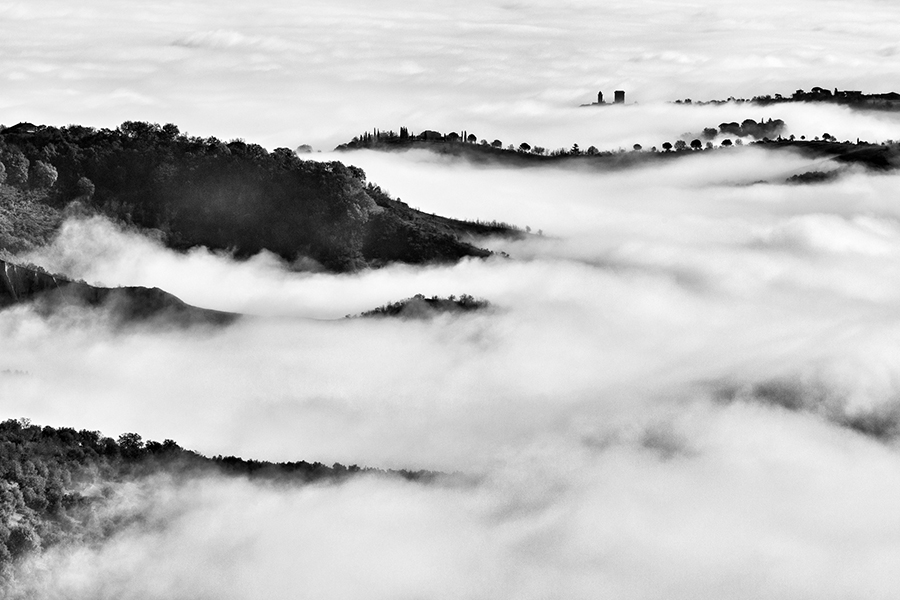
[
  {"x": 16, "y": 167},
  {"x": 130, "y": 445},
  {"x": 169, "y": 132},
  {"x": 84, "y": 188},
  {"x": 524, "y": 147},
  {"x": 637, "y": 147},
  {"x": 732, "y": 128},
  {"x": 43, "y": 176},
  {"x": 471, "y": 138},
  {"x": 726, "y": 142},
  {"x": 666, "y": 146},
  {"x": 680, "y": 145},
  {"x": 696, "y": 144},
  {"x": 497, "y": 144}
]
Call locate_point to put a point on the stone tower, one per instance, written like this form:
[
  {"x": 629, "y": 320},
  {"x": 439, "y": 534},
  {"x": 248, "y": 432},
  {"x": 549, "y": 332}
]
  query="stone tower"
[
  {"x": 620, "y": 97},
  {"x": 599, "y": 97}
]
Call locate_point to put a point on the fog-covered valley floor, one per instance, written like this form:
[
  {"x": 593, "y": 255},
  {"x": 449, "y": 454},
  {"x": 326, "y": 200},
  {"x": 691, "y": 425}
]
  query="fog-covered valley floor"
[
  {"x": 687, "y": 383},
  {"x": 685, "y": 387}
]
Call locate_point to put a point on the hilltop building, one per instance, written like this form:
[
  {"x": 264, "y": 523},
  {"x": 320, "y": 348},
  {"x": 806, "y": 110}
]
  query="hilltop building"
[{"x": 619, "y": 99}]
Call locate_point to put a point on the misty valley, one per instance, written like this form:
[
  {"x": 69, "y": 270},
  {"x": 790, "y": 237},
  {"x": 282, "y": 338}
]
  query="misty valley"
[{"x": 549, "y": 373}]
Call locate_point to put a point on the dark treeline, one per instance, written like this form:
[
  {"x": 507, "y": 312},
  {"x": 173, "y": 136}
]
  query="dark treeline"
[
  {"x": 233, "y": 196},
  {"x": 463, "y": 142},
  {"x": 851, "y": 98},
  {"x": 768, "y": 133},
  {"x": 468, "y": 145},
  {"x": 420, "y": 307},
  {"x": 53, "y": 480},
  {"x": 770, "y": 128}
]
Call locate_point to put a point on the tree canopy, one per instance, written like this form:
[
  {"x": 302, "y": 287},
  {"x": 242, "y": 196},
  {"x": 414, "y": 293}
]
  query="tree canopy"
[{"x": 233, "y": 196}]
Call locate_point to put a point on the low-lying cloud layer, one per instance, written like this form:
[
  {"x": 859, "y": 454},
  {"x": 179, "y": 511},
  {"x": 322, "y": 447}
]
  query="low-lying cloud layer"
[
  {"x": 766, "y": 505},
  {"x": 688, "y": 388}
]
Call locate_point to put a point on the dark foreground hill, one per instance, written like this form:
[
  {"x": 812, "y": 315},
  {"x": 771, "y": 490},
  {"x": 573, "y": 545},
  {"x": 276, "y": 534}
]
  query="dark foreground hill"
[
  {"x": 48, "y": 292},
  {"x": 54, "y": 483},
  {"x": 231, "y": 196}
]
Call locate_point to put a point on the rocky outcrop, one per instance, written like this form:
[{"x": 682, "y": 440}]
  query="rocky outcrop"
[{"x": 48, "y": 292}]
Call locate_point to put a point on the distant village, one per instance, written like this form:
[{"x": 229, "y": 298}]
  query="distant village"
[
  {"x": 852, "y": 98},
  {"x": 618, "y": 98}
]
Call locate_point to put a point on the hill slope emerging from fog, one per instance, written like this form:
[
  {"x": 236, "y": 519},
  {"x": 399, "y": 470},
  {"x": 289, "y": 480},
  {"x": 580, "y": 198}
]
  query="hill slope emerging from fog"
[
  {"x": 229, "y": 196},
  {"x": 872, "y": 156},
  {"x": 46, "y": 291},
  {"x": 57, "y": 485}
]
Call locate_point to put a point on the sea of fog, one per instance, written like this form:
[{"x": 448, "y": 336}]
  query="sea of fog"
[{"x": 687, "y": 387}]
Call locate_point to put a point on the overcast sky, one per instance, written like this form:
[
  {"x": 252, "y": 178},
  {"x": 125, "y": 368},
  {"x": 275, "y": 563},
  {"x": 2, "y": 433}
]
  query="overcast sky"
[{"x": 283, "y": 72}]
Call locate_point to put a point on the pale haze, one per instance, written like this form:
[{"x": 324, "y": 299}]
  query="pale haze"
[
  {"x": 281, "y": 73},
  {"x": 686, "y": 386}
]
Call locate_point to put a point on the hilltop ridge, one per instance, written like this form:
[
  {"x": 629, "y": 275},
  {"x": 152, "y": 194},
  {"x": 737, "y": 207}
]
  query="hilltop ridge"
[
  {"x": 888, "y": 101},
  {"x": 233, "y": 196},
  {"x": 47, "y": 291},
  {"x": 871, "y": 155}
]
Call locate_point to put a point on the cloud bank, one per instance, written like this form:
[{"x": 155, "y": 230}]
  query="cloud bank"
[{"x": 687, "y": 387}]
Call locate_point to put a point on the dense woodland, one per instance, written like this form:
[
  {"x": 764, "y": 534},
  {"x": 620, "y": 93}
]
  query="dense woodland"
[
  {"x": 233, "y": 196},
  {"x": 54, "y": 480}
]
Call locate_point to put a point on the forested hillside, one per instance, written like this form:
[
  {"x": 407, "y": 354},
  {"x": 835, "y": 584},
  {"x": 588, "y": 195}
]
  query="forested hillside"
[
  {"x": 53, "y": 482},
  {"x": 47, "y": 291},
  {"x": 233, "y": 196}
]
